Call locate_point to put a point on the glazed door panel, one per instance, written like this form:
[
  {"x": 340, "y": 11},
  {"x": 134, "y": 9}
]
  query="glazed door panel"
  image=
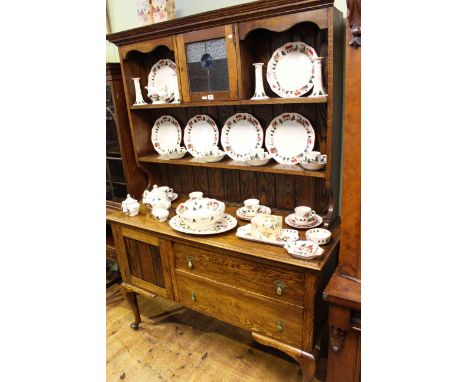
[{"x": 144, "y": 261}]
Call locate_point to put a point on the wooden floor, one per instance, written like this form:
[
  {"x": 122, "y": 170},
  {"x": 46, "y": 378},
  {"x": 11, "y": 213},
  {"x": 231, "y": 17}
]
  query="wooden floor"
[{"x": 177, "y": 344}]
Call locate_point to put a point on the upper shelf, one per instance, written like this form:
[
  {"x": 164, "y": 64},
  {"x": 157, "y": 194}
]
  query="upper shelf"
[
  {"x": 229, "y": 164},
  {"x": 271, "y": 101}
]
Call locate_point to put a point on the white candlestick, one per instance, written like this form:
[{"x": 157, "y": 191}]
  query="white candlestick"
[
  {"x": 259, "y": 89},
  {"x": 139, "y": 98},
  {"x": 318, "y": 91}
]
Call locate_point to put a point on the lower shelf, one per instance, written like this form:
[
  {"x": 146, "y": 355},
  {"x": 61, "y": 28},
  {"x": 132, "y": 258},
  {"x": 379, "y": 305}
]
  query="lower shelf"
[{"x": 230, "y": 164}]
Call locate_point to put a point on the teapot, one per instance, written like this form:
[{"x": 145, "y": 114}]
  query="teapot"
[
  {"x": 130, "y": 206},
  {"x": 161, "y": 201}
]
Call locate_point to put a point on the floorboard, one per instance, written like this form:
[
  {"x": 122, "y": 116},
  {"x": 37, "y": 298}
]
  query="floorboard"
[{"x": 176, "y": 344}]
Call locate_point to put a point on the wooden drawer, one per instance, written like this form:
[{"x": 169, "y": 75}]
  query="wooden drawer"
[
  {"x": 242, "y": 273},
  {"x": 250, "y": 311}
]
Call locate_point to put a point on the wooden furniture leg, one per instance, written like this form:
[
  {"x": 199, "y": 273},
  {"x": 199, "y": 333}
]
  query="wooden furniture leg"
[
  {"x": 304, "y": 359},
  {"x": 131, "y": 298}
]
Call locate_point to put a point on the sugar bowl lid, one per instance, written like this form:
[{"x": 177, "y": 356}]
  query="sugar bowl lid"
[{"x": 129, "y": 200}]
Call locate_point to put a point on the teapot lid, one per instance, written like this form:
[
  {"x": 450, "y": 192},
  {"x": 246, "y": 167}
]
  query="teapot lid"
[{"x": 129, "y": 199}]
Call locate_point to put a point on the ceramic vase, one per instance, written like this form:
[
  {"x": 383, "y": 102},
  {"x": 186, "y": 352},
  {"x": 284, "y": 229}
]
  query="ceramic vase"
[
  {"x": 144, "y": 12},
  {"x": 318, "y": 91},
  {"x": 138, "y": 96},
  {"x": 259, "y": 89}
]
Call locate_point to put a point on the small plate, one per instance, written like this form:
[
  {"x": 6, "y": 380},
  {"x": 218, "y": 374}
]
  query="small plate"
[
  {"x": 321, "y": 236},
  {"x": 303, "y": 249},
  {"x": 242, "y": 213},
  {"x": 226, "y": 223},
  {"x": 287, "y": 235},
  {"x": 290, "y": 221}
]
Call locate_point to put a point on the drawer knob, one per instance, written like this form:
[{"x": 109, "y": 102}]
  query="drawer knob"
[
  {"x": 190, "y": 262},
  {"x": 280, "y": 287},
  {"x": 194, "y": 297},
  {"x": 279, "y": 326}
]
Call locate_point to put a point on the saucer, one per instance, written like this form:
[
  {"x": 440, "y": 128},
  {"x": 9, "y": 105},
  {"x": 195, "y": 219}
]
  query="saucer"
[
  {"x": 242, "y": 212},
  {"x": 291, "y": 221}
]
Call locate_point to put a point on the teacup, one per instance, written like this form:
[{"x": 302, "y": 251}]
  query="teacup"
[
  {"x": 160, "y": 214},
  {"x": 252, "y": 206},
  {"x": 314, "y": 157},
  {"x": 304, "y": 214}
]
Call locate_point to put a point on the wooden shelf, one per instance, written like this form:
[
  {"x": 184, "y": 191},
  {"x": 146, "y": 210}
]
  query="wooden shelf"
[
  {"x": 226, "y": 163},
  {"x": 271, "y": 101}
]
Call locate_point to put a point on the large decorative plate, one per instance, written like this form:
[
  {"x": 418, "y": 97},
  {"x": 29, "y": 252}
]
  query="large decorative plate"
[
  {"x": 287, "y": 235},
  {"x": 162, "y": 79},
  {"x": 241, "y": 134},
  {"x": 166, "y": 133},
  {"x": 288, "y": 136},
  {"x": 290, "y": 71},
  {"x": 201, "y": 133},
  {"x": 226, "y": 223}
]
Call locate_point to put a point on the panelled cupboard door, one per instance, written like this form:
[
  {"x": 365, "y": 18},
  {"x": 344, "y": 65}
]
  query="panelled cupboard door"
[
  {"x": 207, "y": 62},
  {"x": 143, "y": 260}
]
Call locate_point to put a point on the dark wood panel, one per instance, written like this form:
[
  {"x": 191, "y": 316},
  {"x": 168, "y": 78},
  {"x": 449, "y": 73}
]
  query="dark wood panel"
[
  {"x": 147, "y": 269},
  {"x": 131, "y": 247},
  {"x": 157, "y": 266},
  {"x": 284, "y": 187}
]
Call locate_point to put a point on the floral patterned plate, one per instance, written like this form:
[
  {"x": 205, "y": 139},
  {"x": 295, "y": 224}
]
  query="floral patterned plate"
[
  {"x": 290, "y": 71},
  {"x": 288, "y": 136},
  {"x": 162, "y": 81},
  {"x": 165, "y": 134},
  {"x": 287, "y": 235},
  {"x": 241, "y": 134},
  {"x": 226, "y": 223},
  {"x": 242, "y": 212},
  {"x": 304, "y": 249},
  {"x": 201, "y": 133}
]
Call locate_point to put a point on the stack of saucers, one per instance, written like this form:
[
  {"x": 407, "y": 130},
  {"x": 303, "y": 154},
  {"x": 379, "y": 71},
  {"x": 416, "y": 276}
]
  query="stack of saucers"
[{"x": 303, "y": 218}]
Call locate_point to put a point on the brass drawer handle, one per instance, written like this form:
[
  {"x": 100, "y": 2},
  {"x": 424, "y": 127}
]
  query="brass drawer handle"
[
  {"x": 190, "y": 262},
  {"x": 280, "y": 287},
  {"x": 194, "y": 296},
  {"x": 279, "y": 326}
]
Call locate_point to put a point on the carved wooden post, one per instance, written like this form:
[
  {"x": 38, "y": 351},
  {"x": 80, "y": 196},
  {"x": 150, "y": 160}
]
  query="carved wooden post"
[{"x": 350, "y": 247}]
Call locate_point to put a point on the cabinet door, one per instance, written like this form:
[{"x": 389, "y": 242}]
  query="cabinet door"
[
  {"x": 207, "y": 62},
  {"x": 143, "y": 260}
]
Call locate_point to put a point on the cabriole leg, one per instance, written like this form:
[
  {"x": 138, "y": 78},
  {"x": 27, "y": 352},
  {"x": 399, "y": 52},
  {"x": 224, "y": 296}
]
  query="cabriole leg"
[{"x": 131, "y": 298}]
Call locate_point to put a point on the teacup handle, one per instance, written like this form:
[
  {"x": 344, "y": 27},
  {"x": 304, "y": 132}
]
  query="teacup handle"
[
  {"x": 170, "y": 191},
  {"x": 312, "y": 213},
  {"x": 323, "y": 158}
]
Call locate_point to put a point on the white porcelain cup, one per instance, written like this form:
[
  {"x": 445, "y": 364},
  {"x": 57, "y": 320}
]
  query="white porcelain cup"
[
  {"x": 304, "y": 214},
  {"x": 252, "y": 205},
  {"x": 315, "y": 157},
  {"x": 160, "y": 214}
]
